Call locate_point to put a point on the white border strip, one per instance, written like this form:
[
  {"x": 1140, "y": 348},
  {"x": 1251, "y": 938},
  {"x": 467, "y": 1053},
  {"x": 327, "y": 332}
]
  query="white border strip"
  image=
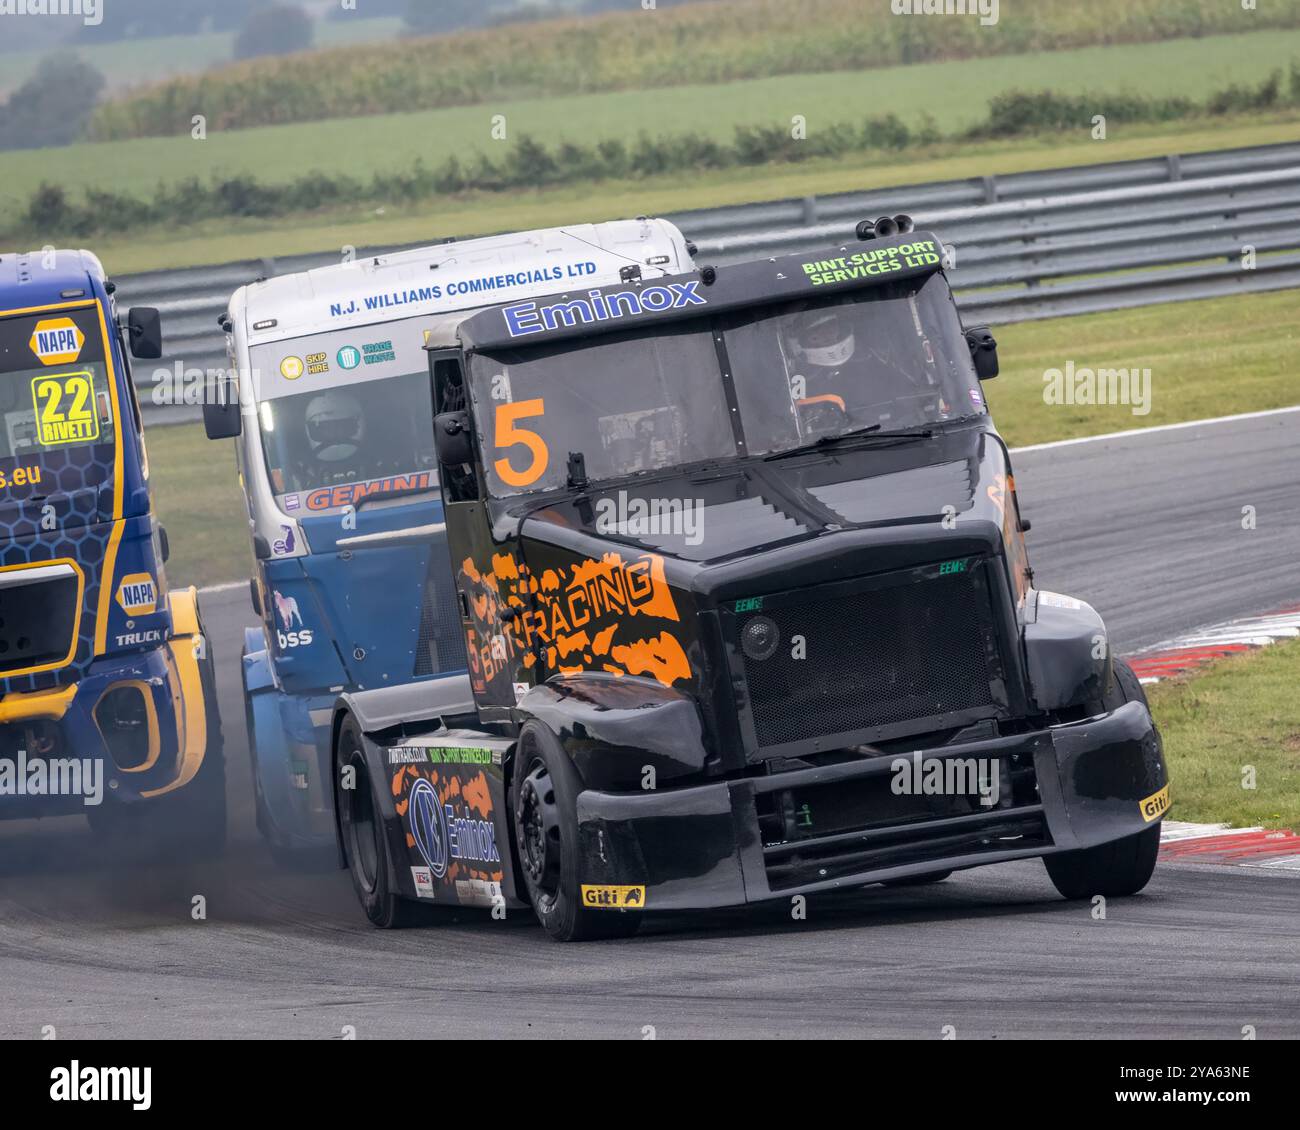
[
  {"x": 227, "y": 586},
  {"x": 1156, "y": 428}
]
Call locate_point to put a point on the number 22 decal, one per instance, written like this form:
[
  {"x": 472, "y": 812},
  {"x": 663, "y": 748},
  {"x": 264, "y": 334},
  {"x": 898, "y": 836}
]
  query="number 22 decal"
[
  {"x": 64, "y": 412},
  {"x": 509, "y": 434}
]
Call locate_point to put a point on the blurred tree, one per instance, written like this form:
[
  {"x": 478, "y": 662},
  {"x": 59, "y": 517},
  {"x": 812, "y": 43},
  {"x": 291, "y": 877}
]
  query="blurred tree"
[
  {"x": 276, "y": 30},
  {"x": 53, "y": 106}
]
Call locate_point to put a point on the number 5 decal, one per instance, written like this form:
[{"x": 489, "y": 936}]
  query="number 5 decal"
[{"x": 509, "y": 434}]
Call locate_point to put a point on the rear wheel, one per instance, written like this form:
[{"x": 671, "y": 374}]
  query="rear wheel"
[
  {"x": 361, "y": 828},
  {"x": 1125, "y": 866},
  {"x": 544, "y": 803}
]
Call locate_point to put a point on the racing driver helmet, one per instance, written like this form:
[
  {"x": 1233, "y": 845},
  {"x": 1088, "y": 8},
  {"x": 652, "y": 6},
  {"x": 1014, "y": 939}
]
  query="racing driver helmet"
[
  {"x": 822, "y": 338},
  {"x": 336, "y": 426}
]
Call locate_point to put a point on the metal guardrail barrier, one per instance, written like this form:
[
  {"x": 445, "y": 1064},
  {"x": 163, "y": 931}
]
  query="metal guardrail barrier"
[{"x": 1027, "y": 245}]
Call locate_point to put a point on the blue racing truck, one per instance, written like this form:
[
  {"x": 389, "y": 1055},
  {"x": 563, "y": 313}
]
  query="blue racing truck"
[
  {"x": 335, "y": 447},
  {"x": 107, "y": 703}
]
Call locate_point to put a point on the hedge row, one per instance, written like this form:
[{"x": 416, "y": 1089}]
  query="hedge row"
[
  {"x": 640, "y": 50},
  {"x": 527, "y": 163}
]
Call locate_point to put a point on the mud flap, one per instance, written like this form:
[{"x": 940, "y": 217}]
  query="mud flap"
[{"x": 446, "y": 816}]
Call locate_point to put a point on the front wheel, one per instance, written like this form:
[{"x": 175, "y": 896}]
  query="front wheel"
[
  {"x": 193, "y": 819},
  {"x": 1113, "y": 870},
  {"x": 544, "y": 803},
  {"x": 1125, "y": 866},
  {"x": 361, "y": 828}
]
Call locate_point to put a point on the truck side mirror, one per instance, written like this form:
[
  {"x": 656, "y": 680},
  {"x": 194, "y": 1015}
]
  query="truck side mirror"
[
  {"x": 144, "y": 332},
  {"x": 221, "y": 416},
  {"x": 222, "y": 421},
  {"x": 451, "y": 438},
  {"x": 983, "y": 351}
]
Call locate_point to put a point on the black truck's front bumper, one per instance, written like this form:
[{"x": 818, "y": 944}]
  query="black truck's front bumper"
[{"x": 720, "y": 845}]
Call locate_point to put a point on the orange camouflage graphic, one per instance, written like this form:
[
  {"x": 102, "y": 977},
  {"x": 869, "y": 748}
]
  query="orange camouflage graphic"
[{"x": 612, "y": 615}]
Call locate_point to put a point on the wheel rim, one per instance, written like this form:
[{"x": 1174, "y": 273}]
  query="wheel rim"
[
  {"x": 363, "y": 835},
  {"x": 538, "y": 827}
]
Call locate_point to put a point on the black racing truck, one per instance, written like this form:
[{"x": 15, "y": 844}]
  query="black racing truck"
[{"x": 747, "y": 615}]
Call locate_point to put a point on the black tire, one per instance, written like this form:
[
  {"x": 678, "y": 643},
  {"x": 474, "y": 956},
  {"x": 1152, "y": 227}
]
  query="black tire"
[
  {"x": 361, "y": 832},
  {"x": 283, "y": 855},
  {"x": 543, "y": 804},
  {"x": 1114, "y": 870},
  {"x": 1122, "y": 867},
  {"x": 919, "y": 880},
  {"x": 190, "y": 823},
  {"x": 193, "y": 819}
]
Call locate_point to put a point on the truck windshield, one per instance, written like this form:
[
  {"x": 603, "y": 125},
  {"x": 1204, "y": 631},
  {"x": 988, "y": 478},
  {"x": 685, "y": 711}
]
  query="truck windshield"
[
  {"x": 55, "y": 398},
  {"x": 330, "y": 447},
  {"x": 893, "y": 356}
]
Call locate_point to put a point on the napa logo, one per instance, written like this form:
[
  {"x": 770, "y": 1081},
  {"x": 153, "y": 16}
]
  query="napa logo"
[
  {"x": 529, "y": 318},
  {"x": 137, "y": 594},
  {"x": 57, "y": 341}
]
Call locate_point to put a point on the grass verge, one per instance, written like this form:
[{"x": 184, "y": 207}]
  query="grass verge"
[
  {"x": 1235, "y": 713},
  {"x": 1209, "y": 358},
  {"x": 197, "y": 496}
]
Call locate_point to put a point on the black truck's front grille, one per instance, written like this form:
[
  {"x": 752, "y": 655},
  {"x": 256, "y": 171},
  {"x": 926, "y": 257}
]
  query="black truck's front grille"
[{"x": 908, "y": 647}]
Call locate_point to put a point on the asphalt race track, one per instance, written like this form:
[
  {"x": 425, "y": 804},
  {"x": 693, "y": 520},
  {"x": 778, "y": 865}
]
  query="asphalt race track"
[{"x": 1147, "y": 528}]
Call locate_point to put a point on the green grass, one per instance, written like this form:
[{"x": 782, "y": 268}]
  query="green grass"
[
  {"x": 1207, "y": 358},
  {"x": 955, "y": 94},
  {"x": 198, "y": 500},
  {"x": 1235, "y": 713},
  {"x": 1210, "y": 358},
  {"x": 132, "y": 62}
]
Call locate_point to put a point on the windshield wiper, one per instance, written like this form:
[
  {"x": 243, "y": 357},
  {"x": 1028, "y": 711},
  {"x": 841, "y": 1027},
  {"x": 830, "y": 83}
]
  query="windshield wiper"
[{"x": 873, "y": 432}]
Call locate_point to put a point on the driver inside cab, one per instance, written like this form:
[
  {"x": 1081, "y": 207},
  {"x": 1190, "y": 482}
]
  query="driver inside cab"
[{"x": 841, "y": 379}]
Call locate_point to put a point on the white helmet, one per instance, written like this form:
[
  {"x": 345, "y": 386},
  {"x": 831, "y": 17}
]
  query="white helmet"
[
  {"x": 335, "y": 426},
  {"x": 822, "y": 337}
]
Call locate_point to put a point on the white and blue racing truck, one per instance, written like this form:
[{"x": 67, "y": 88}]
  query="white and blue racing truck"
[{"x": 334, "y": 426}]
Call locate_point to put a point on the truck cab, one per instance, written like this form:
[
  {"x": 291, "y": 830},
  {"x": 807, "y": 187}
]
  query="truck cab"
[
  {"x": 748, "y": 614},
  {"x": 335, "y": 450},
  {"x": 105, "y": 678}
]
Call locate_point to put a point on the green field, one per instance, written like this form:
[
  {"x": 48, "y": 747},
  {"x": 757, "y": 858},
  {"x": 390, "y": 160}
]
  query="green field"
[
  {"x": 1238, "y": 712},
  {"x": 133, "y": 62},
  {"x": 1208, "y": 358},
  {"x": 631, "y": 48},
  {"x": 955, "y": 94}
]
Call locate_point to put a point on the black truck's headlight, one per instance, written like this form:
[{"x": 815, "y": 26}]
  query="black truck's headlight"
[{"x": 760, "y": 638}]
